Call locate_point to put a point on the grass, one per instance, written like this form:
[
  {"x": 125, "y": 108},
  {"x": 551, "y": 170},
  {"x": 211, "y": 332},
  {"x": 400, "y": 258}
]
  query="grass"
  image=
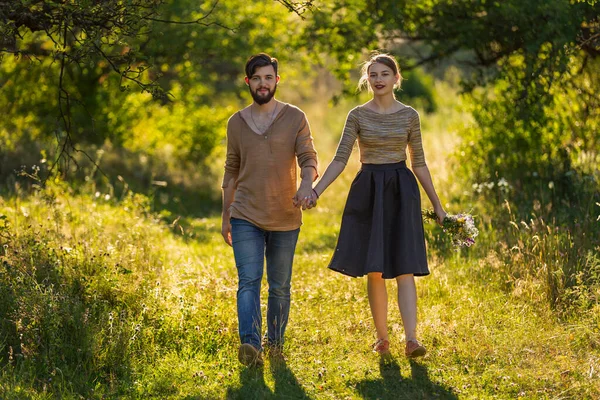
[{"x": 100, "y": 298}]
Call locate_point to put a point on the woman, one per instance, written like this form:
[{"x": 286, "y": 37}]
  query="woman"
[{"x": 381, "y": 235}]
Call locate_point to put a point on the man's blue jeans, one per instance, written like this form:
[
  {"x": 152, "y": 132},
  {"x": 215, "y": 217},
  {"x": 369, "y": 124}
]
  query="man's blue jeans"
[{"x": 250, "y": 247}]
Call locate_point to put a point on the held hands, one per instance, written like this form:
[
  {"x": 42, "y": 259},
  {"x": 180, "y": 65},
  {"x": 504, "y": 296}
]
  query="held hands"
[{"x": 306, "y": 197}]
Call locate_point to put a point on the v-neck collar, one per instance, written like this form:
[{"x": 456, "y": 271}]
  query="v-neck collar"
[{"x": 279, "y": 114}]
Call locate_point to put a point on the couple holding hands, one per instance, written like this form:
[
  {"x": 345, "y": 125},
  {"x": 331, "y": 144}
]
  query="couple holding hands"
[{"x": 381, "y": 233}]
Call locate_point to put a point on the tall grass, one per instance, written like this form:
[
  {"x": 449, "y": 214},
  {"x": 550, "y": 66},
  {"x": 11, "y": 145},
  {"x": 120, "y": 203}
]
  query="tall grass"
[
  {"x": 89, "y": 293},
  {"x": 104, "y": 296},
  {"x": 103, "y": 299},
  {"x": 546, "y": 239}
]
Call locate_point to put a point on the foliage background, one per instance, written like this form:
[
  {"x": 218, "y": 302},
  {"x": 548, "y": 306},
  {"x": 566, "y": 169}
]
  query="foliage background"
[{"x": 114, "y": 282}]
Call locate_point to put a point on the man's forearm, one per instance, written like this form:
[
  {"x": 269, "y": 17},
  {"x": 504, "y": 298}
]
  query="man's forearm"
[
  {"x": 228, "y": 196},
  {"x": 308, "y": 175}
]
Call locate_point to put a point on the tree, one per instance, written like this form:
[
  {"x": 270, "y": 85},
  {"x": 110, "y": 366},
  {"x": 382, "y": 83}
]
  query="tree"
[
  {"x": 81, "y": 61},
  {"x": 539, "y": 56}
]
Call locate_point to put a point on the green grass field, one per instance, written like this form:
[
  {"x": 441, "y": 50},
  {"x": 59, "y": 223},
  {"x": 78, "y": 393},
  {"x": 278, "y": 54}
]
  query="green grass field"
[{"x": 100, "y": 298}]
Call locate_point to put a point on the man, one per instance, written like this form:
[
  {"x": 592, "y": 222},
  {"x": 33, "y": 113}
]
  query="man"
[{"x": 261, "y": 203}]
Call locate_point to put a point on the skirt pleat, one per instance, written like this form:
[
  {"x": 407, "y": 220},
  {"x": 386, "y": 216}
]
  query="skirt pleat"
[{"x": 382, "y": 226}]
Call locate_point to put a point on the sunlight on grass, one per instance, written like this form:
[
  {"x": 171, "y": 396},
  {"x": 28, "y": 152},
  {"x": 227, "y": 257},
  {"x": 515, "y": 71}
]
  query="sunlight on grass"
[{"x": 101, "y": 298}]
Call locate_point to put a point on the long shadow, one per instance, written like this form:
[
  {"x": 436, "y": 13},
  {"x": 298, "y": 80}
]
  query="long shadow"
[
  {"x": 286, "y": 384},
  {"x": 393, "y": 386},
  {"x": 252, "y": 386}
]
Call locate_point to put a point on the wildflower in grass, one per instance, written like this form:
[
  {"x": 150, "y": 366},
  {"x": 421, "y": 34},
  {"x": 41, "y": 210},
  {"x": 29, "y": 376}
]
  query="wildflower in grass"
[{"x": 460, "y": 227}]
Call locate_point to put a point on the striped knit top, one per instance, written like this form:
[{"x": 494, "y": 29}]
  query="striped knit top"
[{"x": 382, "y": 138}]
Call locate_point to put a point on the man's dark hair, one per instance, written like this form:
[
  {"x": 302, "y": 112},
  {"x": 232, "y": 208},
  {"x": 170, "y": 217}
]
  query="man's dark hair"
[{"x": 259, "y": 60}]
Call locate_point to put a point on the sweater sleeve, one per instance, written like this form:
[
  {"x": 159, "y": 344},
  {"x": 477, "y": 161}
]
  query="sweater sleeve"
[
  {"x": 415, "y": 143},
  {"x": 305, "y": 149},
  {"x": 349, "y": 136},
  {"x": 232, "y": 160}
]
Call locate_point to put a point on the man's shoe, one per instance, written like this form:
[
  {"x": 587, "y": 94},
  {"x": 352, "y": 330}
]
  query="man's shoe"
[
  {"x": 382, "y": 347},
  {"x": 249, "y": 355},
  {"x": 414, "y": 349}
]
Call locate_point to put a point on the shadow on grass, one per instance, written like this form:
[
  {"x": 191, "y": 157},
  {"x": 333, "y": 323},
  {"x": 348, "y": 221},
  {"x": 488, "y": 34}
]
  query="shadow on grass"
[
  {"x": 253, "y": 387},
  {"x": 286, "y": 384},
  {"x": 393, "y": 386}
]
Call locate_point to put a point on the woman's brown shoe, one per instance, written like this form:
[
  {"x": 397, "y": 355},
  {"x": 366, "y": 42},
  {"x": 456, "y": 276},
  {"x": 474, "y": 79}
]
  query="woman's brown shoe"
[
  {"x": 382, "y": 347},
  {"x": 414, "y": 349}
]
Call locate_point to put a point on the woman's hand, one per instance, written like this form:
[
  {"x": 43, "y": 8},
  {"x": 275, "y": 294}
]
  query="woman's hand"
[
  {"x": 305, "y": 197},
  {"x": 441, "y": 214},
  {"x": 312, "y": 201}
]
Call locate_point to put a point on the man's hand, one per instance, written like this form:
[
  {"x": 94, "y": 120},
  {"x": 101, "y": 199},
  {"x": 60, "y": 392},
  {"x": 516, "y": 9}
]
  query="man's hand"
[
  {"x": 305, "y": 197},
  {"x": 226, "y": 230}
]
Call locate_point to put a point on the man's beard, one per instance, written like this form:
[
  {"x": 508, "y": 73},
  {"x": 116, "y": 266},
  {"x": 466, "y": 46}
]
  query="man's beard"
[{"x": 259, "y": 99}]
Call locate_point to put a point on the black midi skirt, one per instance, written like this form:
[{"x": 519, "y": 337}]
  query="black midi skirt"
[{"x": 382, "y": 226}]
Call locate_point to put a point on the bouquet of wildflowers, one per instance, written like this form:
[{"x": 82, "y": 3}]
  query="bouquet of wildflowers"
[{"x": 460, "y": 227}]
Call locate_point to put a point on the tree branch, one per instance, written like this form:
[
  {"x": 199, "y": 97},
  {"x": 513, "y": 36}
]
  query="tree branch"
[
  {"x": 297, "y": 7},
  {"x": 194, "y": 22}
]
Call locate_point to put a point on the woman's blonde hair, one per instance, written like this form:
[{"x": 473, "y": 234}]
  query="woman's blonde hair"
[{"x": 381, "y": 58}]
